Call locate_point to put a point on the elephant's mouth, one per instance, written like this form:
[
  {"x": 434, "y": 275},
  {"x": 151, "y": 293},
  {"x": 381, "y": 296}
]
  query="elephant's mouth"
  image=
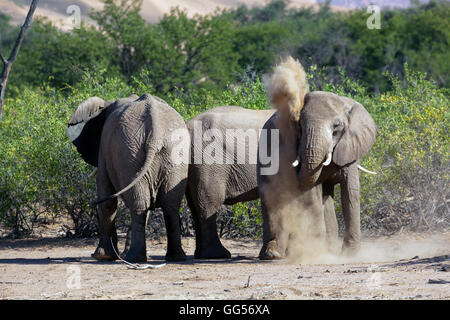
[
  {"x": 325, "y": 163},
  {"x": 308, "y": 175}
]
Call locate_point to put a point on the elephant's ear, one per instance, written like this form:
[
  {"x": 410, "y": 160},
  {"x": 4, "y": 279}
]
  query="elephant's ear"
[
  {"x": 85, "y": 128},
  {"x": 358, "y": 137}
]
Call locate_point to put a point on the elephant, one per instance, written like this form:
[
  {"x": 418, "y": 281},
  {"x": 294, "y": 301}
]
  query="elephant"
[
  {"x": 130, "y": 141},
  {"x": 323, "y": 137},
  {"x": 227, "y": 180}
]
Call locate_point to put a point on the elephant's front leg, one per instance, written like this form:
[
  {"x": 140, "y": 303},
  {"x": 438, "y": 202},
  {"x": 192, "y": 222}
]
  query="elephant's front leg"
[
  {"x": 137, "y": 250},
  {"x": 330, "y": 218},
  {"x": 350, "y": 196},
  {"x": 274, "y": 241}
]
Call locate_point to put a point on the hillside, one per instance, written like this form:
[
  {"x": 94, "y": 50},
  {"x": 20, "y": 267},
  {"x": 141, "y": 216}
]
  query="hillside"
[{"x": 152, "y": 10}]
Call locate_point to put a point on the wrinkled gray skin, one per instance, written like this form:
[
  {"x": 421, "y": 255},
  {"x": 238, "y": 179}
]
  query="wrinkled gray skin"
[
  {"x": 134, "y": 147},
  {"x": 212, "y": 185},
  {"x": 328, "y": 122}
]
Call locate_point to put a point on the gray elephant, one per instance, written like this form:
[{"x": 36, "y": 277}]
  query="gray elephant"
[
  {"x": 130, "y": 141},
  {"x": 220, "y": 174},
  {"x": 323, "y": 136}
]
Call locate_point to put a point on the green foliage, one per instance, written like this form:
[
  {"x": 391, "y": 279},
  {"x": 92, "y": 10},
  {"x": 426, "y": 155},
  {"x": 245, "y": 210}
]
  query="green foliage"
[
  {"x": 39, "y": 175},
  {"x": 197, "y": 63},
  {"x": 412, "y": 153},
  {"x": 211, "y": 51}
]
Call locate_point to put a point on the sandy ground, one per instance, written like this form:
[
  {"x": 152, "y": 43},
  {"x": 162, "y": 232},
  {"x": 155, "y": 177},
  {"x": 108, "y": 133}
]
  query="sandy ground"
[{"x": 401, "y": 267}]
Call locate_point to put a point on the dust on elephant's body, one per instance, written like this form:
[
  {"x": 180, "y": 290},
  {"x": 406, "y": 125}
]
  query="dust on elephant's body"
[
  {"x": 130, "y": 140},
  {"x": 232, "y": 181},
  {"x": 323, "y": 137}
]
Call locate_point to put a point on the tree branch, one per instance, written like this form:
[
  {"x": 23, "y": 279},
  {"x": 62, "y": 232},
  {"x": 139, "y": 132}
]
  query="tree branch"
[
  {"x": 7, "y": 64},
  {"x": 24, "y": 28},
  {"x": 2, "y": 58}
]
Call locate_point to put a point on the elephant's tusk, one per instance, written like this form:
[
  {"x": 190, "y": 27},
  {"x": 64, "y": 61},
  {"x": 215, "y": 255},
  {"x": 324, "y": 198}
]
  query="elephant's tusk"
[
  {"x": 365, "y": 170},
  {"x": 296, "y": 162},
  {"x": 93, "y": 173},
  {"x": 328, "y": 160}
]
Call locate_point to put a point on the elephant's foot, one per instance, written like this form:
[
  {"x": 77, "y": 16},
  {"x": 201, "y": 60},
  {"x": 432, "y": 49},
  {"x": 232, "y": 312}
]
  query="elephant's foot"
[
  {"x": 134, "y": 256},
  {"x": 350, "y": 249},
  {"x": 334, "y": 247},
  {"x": 175, "y": 256},
  {"x": 104, "y": 254},
  {"x": 216, "y": 252},
  {"x": 270, "y": 252}
]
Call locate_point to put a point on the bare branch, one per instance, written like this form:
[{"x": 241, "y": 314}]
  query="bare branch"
[
  {"x": 24, "y": 28},
  {"x": 2, "y": 58},
  {"x": 7, "y": 64}
]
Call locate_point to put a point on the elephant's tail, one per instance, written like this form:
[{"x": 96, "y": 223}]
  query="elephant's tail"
[
  {"x": 154, "y": 145},
  {"x": 287, "y": 87}
]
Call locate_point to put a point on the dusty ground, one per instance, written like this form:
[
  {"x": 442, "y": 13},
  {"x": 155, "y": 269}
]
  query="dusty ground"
[{"x": 401, "y": 267}]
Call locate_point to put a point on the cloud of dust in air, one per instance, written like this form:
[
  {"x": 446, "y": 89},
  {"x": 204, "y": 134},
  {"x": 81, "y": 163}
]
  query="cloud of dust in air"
[{"x": 384, "y": 249}]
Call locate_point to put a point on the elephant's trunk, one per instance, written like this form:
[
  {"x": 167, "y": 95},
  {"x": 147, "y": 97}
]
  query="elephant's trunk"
[{"x": 315, "y": 153}]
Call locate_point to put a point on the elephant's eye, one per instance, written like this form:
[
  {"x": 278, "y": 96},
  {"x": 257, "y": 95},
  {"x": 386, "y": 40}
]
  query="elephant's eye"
[{"x": 337, "y": 126}]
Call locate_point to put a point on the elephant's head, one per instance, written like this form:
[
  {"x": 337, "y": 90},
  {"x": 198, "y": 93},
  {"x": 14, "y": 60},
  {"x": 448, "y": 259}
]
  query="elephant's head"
[
  {"x": 325, "y": 126},
  {"x": 333, "y": 129},
  {"x": 86, "y": 124}
]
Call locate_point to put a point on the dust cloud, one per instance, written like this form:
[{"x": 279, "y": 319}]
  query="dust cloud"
[{"x": 383, "y": 249}]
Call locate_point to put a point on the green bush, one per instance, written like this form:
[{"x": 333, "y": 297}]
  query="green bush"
[
  {"x": 40, "y": 175},
  {"x": 411, "y": 155}
]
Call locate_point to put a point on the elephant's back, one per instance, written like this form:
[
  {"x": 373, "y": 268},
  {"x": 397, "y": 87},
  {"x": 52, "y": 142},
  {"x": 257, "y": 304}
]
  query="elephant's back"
[
  {"x": 231, "y": 117},
  {"x": 131, "y": 118}
]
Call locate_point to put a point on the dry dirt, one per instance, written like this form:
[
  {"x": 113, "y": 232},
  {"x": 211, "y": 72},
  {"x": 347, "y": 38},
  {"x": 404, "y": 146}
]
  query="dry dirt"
[{"x": 400, "y": 267}]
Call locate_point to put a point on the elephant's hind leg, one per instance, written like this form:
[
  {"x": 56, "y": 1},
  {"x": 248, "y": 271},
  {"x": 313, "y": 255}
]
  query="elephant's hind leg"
[
  {"x": 208, "y": 245},
  {"x": 170, "y": 204},
  {"x": 137, "y": 251},
  {"x": 106, "y": 220},
  {"x": 137, "y": 200}
]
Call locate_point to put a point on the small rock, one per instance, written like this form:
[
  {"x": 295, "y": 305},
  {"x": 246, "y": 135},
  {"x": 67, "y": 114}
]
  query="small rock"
[
  {"x": 444, "y": 268},
  {"x": 351, "y": 271},
  {"x": 438, "y": 281}
]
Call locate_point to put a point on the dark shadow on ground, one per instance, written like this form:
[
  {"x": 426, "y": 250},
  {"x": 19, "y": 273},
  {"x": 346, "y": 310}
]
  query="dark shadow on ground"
[
  {"x": 46, "y": 242},
  {"x": 43, "y": 261},
  {"x": 416, "y": 260},
  {"x": 152, "y": 260}
]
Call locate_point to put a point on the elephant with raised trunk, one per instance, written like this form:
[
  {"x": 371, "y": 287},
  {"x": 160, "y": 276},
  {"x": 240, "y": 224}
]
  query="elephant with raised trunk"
[
  {"x": 130, "y": 140},
  {"x": 323, "y": 136},
  {"x": 226, "y": 181}
]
